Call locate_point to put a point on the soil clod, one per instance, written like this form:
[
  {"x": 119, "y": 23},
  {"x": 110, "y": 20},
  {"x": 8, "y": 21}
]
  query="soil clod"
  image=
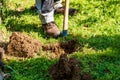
[
  {"x": 62, "y": 47},
  {"x": 21, "y": 45},
  {"x": 66, "y": 69},
  {"x": 86, "y": 76}
]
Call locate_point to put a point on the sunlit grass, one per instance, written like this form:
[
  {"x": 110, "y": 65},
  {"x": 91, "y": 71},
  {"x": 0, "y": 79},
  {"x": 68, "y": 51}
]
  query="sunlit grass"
[{"x": 96, "y": 26}]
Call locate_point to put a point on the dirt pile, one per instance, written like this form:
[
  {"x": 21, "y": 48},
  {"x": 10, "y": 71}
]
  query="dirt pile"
[
  {"x": 86, "y": 76},
  {"x": 68, "y": 69},
  {"x": 33, "y": 7},
  {"x": 56, "y": 49},
  {"x": 65, "y": 69},
  {"x": 21, "y": 45}
]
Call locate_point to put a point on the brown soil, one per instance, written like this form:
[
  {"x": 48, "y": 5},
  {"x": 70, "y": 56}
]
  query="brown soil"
[
  {"x": 86, "y": 76},
  {"x": 21, "y": 45},
  {"x": 56, "y": 49},
  {"x": 33, "y": 7},
  {"x": 68, "y": 69},
  {"x": 65, "y": 69}
]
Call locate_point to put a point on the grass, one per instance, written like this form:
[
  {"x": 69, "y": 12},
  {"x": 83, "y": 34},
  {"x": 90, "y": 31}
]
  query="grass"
[{"x": 96, "y": 26}]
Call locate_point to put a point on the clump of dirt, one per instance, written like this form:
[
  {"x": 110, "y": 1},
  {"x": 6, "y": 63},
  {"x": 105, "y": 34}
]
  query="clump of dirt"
[
  {"x": 33, "y": 7},
  {"x": 86, "y": 76},
  {"x": 61, "y": 48},
  {"x": 66, "y": 69},
  {"x": 21, "y": 45},
  {"x": 70, "y": 46}
]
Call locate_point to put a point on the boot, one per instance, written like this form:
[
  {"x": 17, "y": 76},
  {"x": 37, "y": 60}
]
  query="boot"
[
  {"x": 72, "y": 11},
  {"x": 51, "y": 29}
]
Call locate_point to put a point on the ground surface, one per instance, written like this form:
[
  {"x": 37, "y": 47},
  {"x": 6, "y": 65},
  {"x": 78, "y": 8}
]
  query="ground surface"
[
  {"x": 95, "y": 29},
  {"x": 20, "y": 45},
  {"x": 56, "y": 49},
  {"x": 68, "y": 69}
]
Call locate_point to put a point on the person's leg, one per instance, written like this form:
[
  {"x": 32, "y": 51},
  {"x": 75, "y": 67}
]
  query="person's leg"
[
  {"x": 46, "y": 14},
  {"x": 57, "y": 4},
  {"x": 59, "y": 8}
]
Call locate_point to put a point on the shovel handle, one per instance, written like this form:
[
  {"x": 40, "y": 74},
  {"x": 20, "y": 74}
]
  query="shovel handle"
[{"x": 65, "y": 21}]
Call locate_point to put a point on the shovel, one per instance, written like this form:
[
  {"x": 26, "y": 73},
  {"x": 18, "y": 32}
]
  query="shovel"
[{"x": 65, "y": 21}]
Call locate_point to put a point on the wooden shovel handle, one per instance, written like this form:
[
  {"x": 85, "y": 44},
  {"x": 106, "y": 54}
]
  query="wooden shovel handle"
[{"x": 65, "y": 22}]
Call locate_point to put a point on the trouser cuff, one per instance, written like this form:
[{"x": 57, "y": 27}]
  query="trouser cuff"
[{"x": 47, "y": 17}]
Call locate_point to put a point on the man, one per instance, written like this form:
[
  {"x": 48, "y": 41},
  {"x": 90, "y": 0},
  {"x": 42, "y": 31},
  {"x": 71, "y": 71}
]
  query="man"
[{"x": 46, "y": 10}]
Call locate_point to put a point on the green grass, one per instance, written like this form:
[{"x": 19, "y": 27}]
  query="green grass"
[{"x": 96, "y": 26}]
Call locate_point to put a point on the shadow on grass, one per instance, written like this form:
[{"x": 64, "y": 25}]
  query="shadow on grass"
[
  {"x": 11, "y": 13},
  {"x": 101, "y": 66},
  {"x": 101, "y": 42},
  {"x": 32, "y": 69},
  {"x": 15, "y": 23},
  {"x": 20, "y": 25}
]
